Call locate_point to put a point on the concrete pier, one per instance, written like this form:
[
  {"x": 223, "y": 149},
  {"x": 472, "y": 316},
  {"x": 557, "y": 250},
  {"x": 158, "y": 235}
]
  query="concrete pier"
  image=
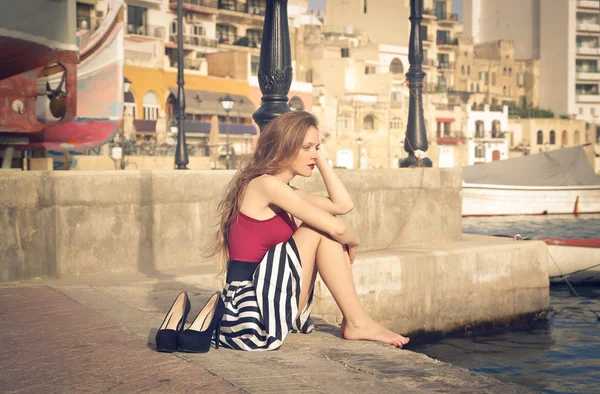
[
  {"x": 431, "y": 278},
  {"x": 96, "y": 334}
]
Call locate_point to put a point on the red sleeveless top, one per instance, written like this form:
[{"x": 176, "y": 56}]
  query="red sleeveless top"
[{"x": 250, "y": 239}]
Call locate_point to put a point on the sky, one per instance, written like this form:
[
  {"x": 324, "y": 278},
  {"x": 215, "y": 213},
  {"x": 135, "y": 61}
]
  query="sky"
[{"x": 320, "y": 5}]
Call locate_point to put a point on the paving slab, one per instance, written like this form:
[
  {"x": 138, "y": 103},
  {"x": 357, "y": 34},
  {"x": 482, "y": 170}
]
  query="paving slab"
[{"x": 133, "y": 305}]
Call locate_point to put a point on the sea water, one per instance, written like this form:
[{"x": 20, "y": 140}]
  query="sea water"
[{"x": 560, "y": 355}]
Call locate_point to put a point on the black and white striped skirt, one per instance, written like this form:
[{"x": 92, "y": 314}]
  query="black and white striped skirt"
[{"x": 261, "y": 300}]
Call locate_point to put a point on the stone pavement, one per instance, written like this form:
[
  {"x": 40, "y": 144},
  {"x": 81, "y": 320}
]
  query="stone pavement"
[{"x": 95, "y": 334}]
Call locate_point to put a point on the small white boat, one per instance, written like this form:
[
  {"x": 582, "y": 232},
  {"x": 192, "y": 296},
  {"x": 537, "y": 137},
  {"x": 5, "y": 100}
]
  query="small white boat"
[
  {"x": 577, "y": 260},
  {"x": 556, "y": 182}
]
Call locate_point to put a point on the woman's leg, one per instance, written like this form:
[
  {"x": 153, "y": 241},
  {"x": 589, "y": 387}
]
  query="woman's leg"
[{"x": 317, "y": 249}]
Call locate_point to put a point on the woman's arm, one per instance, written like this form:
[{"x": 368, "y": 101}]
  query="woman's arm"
[
  {"x": 339, "y": 201},
  {"x": 279, "y": 194}
]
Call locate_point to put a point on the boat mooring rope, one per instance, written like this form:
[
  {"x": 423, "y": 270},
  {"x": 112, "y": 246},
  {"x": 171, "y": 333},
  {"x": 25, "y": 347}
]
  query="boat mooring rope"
[{"x": 519, "y": 237}]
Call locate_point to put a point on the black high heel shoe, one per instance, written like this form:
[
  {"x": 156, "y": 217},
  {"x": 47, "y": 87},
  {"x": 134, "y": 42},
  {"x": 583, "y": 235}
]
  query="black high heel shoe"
[
  {"x": 174, "y": 322},
  {"x": 197, "y": 338}
]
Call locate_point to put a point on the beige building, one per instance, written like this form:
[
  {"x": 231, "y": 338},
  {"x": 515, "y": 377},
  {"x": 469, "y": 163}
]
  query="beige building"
[
  {"x": 491, "y": 73},
  {"x": 542, "y": 135},
  {"x": 563, "y": 35}
]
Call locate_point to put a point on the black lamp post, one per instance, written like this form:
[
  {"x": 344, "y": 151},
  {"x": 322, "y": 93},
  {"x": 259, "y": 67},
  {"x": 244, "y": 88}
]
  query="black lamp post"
[
  {"x": 227, "y": 102},
  {"x": 275, "y": 68},
  {"x": 416, "y": 136},
  {"x": 181, "y": 155}
]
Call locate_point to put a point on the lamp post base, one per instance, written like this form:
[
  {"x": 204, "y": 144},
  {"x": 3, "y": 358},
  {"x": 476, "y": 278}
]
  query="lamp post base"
[{"x": 411, "y": 161}]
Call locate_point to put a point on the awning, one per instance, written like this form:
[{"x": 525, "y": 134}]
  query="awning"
[
  {"x": 237, "y": 129},
  {"x": 142, "y": 125},
  {"x": 203, "y": 102},
  {"x": 444, "y": 120}
]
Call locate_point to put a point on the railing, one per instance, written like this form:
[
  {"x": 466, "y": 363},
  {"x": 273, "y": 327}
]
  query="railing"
[
  {"x": 428, "y": 38},
  {"x": 242, "y": 7},
  {"x": 243, "y": 41},
  {"x": 200, "y": 41},
  {"x": 585, "y": 26},
  {"x": 588, "y": 70},
  {"x": 452, "y": 136},
  {"x": 445, "y": 16},
  {"x": 199, "y": 3},
  {"x": 446, "y": 65},
  {"x": 147, "y": 30},
  {"x": 490, "y": 135},
  {"x": 594, "y": 4},
  {"x": 447, "y": 41}
]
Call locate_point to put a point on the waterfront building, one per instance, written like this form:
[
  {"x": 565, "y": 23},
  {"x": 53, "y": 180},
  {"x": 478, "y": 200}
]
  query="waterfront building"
[
  {"x": 542, "y": 135},
  {"x": 221, "y": 55},
  {"x": 487, "y": 134},
  {"x": 563, "y": 35}
]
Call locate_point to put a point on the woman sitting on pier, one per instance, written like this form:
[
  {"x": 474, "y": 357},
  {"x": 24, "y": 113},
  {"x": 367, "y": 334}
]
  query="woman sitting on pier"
[{"x": 271, "y": 264}]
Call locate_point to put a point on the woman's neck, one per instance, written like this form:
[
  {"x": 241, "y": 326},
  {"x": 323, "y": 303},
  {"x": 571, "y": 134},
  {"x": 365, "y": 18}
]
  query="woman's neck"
[{"x": 285, "y": 176}]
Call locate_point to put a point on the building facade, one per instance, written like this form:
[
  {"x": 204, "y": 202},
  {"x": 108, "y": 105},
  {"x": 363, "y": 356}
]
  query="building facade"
[
  {"x": 487, "y": 134},
  {"x": 563, "y": 35}
]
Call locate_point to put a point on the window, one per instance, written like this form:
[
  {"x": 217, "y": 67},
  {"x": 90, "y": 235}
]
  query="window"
[
  {"x": 483, "y": 76},
  {"x": 564, "y": 138},
  {"x": 576, "y": 137},
  {"x": 443, "y": 37},
  {"x": 150, "y": 106},
  {"x": 370, "y": 70},
  {"x": 472, "y": 88},
  {"x": 255, "y": 64},
  {"x": 136, "y": 20},
  {"x": 344, "y": 122},
  {"x": 296, "y": 104},
  {"x": 504, "y": 72},
  {"x": 226, "y": 34},
  {"x": 552, "y": 137},
  {"x": 396, "y": 66},
  {"x": 84, "y": 15},
  {"x": 254, "y": 37},
  {"x": 521, "y": 80},
  {"x": 540, "y": 137},
  {"x": 396, "y": 123},
  {"x": 197, "y": 29},
  {"x": 477, "y": 88},
  {"x": 440, "y": 9},
  {"x": 479, "y": 151},
  {"x": 510, "y": 71},
  {"x": 369, "y": 122},
  {"x": 364, "y": 6},
  {"x": 443, "y": 61},
  {"x": 462, "y": 69},
  {"x": 496, "y": 129},
  {"x": 129, "y": 104},
  {"x": 479, "y": 129},
  {"x": 469, "y": 70},
  {"x": 423, "y": 33},
  {"x": 396, "y": 94},
  {"x": 309, "y": 75},
  {"x": 504, "y": 90},
  {"x": 493, "y": 79}
]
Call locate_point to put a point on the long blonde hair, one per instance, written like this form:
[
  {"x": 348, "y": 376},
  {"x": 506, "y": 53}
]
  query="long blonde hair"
[{"x": 276, "y": 149}]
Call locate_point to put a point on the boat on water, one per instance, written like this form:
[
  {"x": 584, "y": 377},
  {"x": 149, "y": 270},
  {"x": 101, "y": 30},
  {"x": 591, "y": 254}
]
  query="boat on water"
[
  {"x": 577, "y": 260},
  {"x": 67, "y": 93},
  {"x": 556, "y": 182}
]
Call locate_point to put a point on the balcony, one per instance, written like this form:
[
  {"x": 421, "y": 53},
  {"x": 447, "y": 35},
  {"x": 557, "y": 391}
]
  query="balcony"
[
  {"x": 446, "y": 43},
  {"x": 193, "y": 40},
  {"x": 243, "y": 41},
  {"x": 147, "y": 31},
  {"x": 588, "y": 50},
  {"x": 428, "y": 14},
  {"x": 588, "y": 96},
  {"x": 453, "y": 137},
  {"x": 427, "y": 38},
  {"x": 490, "y": 135},
  {"x": 590, "y": 27},
  {"x": 243, "y": 8},
  {"x": 208, "y": 7},
  {"x": 590, "y": 74},
  {"x": 445, "y": 65},
  {"x": 447, "y": 17},
  {"x": 590, "y": 4}
]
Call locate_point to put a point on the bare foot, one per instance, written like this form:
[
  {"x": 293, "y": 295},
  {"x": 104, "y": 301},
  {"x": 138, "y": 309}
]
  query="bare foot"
[{"x": 372, "y": 331}]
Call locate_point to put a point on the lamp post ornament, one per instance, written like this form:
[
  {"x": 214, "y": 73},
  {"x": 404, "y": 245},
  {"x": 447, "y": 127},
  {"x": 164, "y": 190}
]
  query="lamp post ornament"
[
  {"x": 227, "y": 102},
  {"x": 415, "y": 143},
  {"x": 181, "y": 155}
]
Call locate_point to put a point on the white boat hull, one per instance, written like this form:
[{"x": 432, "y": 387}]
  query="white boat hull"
[
  {"x": 492, "y": 200},
  {"x": 577, "y": 264}
]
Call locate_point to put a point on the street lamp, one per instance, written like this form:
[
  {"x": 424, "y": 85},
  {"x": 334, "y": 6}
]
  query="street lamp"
[
  {"x": 227, "y": 102},
  {"x": 126, "y": 85},
  {"x": 359, "y": 142}
]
